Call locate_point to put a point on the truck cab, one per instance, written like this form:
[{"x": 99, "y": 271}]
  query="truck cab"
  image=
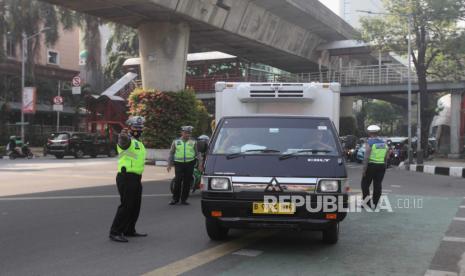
[{"x": 274, "y": 159}]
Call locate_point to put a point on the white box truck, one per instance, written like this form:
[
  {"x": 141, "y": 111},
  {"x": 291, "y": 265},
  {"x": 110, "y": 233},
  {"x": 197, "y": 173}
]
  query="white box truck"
[
  {"x": 274, "y": 158},
  {"x": 306, "y": 99}
]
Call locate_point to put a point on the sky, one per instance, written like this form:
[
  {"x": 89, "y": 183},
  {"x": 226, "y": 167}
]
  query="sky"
[{"x": 332, "y": 5}]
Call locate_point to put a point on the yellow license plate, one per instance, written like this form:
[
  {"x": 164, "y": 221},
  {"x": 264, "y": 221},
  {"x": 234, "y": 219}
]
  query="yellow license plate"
[{"x": 284, "y": 208}]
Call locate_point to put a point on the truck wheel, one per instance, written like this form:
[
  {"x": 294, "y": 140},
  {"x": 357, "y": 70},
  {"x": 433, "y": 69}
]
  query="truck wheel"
[
  {"x": 331, "y": 234},
  {"x": 79, "y": 153},
  {"x": 215, "y": 231},
  {"x": 59, "y": 156}
]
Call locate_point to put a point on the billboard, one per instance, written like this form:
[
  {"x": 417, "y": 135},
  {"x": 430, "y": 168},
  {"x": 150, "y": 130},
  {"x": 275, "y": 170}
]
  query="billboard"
[{"x": 29, "y": 100}]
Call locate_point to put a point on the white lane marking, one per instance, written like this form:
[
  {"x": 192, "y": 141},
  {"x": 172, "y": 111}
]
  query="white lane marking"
[
  {"x": 459, "y": 218},
  {"x": 430, "y": 272},
  {"x": 396, "y": 186},
  {"x": 462, "y": 206},
  {"x": 454, "y": 239},
  {"x": 72, "y": 197},
  {"x": 209, "y": 255},
  {"x": 248, "y": 252}
]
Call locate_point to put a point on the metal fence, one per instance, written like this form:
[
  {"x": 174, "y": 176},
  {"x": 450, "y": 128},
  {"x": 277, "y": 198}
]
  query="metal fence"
[{"x": 362, "y": 75}]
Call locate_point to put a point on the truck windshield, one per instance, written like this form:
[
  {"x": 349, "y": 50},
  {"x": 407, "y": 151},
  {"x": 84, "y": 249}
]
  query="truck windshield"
[{"x": 283, "y": 136}]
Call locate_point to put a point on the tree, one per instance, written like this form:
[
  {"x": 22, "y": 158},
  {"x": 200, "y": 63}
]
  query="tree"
[
  {"x": 123, "y": 44},
  {"x": 436, "y": 36},
  {"x": 383, "y": 114},
  {"x": 29, "y": 17}
]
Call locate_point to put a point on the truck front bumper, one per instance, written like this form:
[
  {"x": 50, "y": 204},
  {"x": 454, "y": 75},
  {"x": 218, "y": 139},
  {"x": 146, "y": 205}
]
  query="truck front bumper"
[{"x": 239, "y": 214}]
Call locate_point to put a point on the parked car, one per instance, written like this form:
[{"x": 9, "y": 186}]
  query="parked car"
[{"x": 79, "y": 144}]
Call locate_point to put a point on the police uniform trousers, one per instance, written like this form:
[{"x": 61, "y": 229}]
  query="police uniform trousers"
[
  {"x": 183, "y": 177},
  {"x": 130, "y": 191},
  {"x": 375, "y": 174}
]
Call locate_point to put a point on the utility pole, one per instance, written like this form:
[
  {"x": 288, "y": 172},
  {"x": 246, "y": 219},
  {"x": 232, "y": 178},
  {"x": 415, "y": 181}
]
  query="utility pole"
[
  {"x": 58, "y": 112},
  {"x": 23, "y": 77},
  {"x": 409, "y": 92},
  {"x": 24, "y": 55}
]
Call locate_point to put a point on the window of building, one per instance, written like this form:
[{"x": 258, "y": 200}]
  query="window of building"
[
  {"x": 53, "y": 57},
  {"x": 10, "y": 47}
]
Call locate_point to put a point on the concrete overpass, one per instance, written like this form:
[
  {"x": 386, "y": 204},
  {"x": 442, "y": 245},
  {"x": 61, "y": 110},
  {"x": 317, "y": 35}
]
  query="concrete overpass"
[{"x": 281, "y": 33}]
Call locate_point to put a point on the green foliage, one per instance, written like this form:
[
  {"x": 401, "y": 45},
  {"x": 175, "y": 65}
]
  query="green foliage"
[
  {"x": 123, "y": 44},
  {"x": 347, "y": 126},
  {"x": 383, "y": 114},
  {"x": 438, "y": 42},
  {"x": 165, "y": 113}
]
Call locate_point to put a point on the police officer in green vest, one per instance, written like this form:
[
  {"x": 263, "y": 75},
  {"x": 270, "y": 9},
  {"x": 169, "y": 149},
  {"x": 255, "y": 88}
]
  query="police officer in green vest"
[
  {"x": 131, "y": 162},
  {"x": 183, "y": 156},
  {"x": 374, "y": 165}
]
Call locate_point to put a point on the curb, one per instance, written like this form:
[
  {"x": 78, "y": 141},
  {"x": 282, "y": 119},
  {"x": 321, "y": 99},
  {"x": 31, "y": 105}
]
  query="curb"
[{"x": 437, "y": 170}]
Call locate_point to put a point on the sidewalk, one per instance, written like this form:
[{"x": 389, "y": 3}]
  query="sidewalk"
[{"x": 441, "y": 166}]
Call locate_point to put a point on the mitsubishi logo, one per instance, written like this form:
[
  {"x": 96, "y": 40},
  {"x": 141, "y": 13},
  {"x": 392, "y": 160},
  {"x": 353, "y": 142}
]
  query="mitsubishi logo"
[{"x": 273, "y": 186}]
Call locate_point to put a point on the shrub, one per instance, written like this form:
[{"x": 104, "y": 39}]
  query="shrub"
[{"x": 165, "y": 113}]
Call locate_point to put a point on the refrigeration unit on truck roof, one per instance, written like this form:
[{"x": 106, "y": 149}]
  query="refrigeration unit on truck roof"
[{"x": 306, "y": 99}]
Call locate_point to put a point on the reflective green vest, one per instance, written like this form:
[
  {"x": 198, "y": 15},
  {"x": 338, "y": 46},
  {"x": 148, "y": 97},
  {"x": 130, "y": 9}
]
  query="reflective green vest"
[
  {"x": 133, "y": 159},
  {"x": 185, "y": 151},
  {"x": 378, "y": 153}
]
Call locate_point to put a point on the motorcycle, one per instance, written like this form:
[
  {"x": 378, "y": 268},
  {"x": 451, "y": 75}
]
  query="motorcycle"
[{"x": 25, "y": 153}]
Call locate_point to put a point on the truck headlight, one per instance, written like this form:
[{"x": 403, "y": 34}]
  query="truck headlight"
[
  {"x": 329, "y": 186},
  {"x": 220, "y": 184}
]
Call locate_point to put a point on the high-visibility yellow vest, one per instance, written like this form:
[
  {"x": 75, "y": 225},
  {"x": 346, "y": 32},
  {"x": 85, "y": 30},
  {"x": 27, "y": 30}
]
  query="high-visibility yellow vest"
[
  {"x": 133, "y": 158},
  {"x": 185, "y": 151},
  {"x": 378, "y": 153}
]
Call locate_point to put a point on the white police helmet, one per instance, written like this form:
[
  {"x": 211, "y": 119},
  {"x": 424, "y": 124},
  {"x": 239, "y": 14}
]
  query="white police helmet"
[
  {"x": 136, "y": 122},
  {"x": 373, "y": 129},
  {"x": 187, "y": 128}
]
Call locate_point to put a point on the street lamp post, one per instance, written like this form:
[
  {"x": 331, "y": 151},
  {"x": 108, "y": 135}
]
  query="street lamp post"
[
  {"x": 24, "y": 54},
  {"x": 409, "y": 84}
]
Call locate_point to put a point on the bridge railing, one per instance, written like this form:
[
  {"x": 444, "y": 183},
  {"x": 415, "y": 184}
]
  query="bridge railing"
[{"x": 362, "y": 75}]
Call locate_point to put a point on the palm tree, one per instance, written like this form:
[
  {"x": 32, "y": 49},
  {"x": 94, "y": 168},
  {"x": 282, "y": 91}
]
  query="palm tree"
[{"x": 123, "y": 44}]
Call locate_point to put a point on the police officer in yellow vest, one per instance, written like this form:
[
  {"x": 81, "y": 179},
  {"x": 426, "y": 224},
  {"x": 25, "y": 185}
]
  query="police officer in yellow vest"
[
  {"x": 374, "y": 165},
  {"x": 183, "y": 156},
  {"x": 131, "y": 162}
]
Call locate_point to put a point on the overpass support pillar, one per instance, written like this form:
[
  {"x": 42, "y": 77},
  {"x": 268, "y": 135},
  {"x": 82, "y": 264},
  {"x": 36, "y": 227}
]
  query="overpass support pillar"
[
  {"x": 163, "y": 54},
  {"x": 347, "y": 104},
  {"x": 455, "y": 117}
]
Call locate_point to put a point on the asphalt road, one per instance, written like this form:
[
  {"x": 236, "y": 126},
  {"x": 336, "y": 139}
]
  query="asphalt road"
[{"x": 63, "y": 230}]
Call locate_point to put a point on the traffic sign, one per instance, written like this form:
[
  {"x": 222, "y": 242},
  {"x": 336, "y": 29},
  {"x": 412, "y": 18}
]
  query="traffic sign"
[
  {"x": 58, "y": 100},
  {"x": 58, "y": 107},
  {"x": 76, "y": 90},
  {"x": 76, "y": 81}
]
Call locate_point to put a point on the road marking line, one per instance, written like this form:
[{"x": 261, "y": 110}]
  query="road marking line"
[
  {"x": 209, "y": 255},
  {"x": 73, "y": 197},
  {"x": 462, "y": 206},
  {"x": 454, "y": 239},
  {"x": 396, "y": 186},
  {"x": 459, "y": 218},
  {"x": 430, "y": 272},
  {"x": 248, "y": 252}
]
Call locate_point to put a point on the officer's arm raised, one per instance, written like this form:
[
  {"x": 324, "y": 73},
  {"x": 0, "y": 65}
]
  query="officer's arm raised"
[{"x": 124, "y": 141}]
